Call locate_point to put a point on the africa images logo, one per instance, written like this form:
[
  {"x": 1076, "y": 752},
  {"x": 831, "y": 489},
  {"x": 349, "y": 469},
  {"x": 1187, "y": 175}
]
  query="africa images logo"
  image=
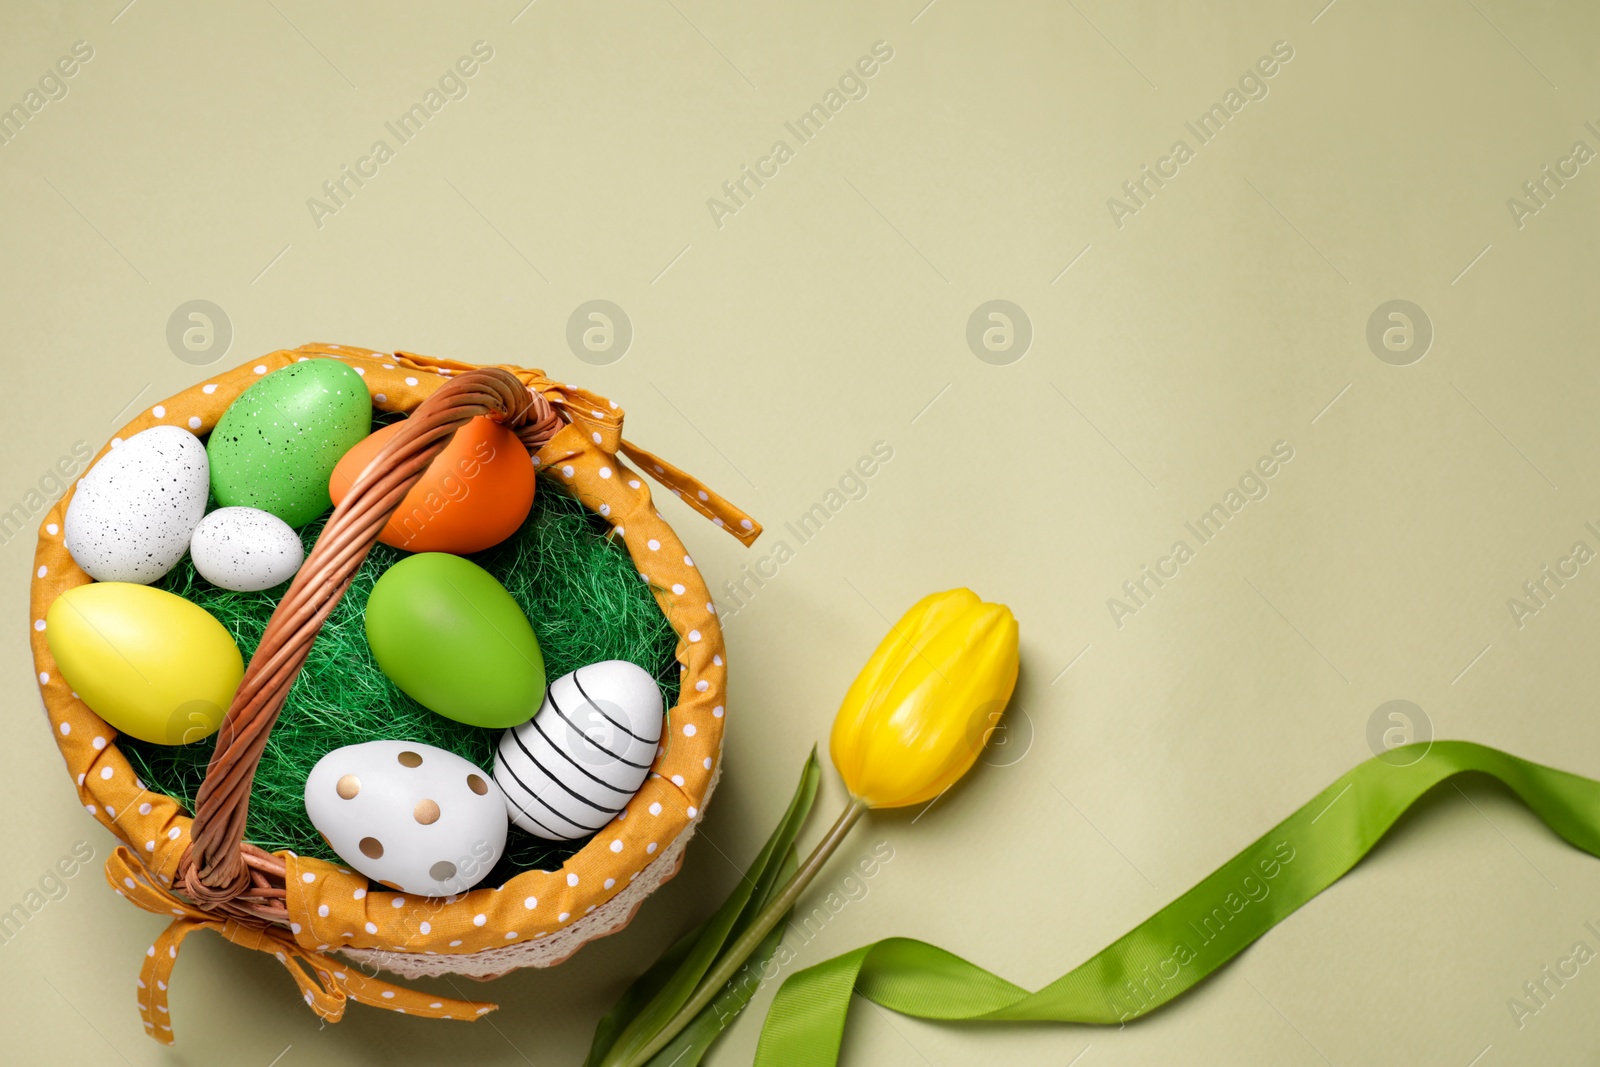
[
  {"x": 51, "y": 88},
  {"x": 1252, "y": 86},
  {"x": 1253, "y": 486},
  {"x": 852, "y": 85},
  {"x": 339, "y": 190}
]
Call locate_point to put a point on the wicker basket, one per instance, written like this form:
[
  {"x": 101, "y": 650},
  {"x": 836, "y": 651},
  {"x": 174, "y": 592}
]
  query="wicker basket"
[{"x": 200, "y": 873}]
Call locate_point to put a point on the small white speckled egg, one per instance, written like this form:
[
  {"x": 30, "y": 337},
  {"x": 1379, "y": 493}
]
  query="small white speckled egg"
[
  {"x": 568, "y": 771},
  {"x": 409, "y": 816},
  {"x": 134, "y": 511},
  {"x": 245, "y": 549}
]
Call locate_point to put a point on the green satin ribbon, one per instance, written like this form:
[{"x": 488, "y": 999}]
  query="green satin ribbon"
[{"x": 1178, "y": 946}]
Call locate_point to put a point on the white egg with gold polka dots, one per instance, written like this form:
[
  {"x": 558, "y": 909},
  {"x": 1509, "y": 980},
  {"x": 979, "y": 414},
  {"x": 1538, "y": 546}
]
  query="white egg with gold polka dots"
[{"x": 409, "y": 816}]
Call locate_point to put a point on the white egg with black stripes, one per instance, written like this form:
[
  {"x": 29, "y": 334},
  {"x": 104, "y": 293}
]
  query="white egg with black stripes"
[{"x": 571, "y": 768}]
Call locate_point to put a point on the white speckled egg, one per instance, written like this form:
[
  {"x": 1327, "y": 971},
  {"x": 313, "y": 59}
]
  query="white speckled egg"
[
  {"x": 410, "y": 816},
  {"x": 245, "y": 549},
  {"x": 134, "y": 511},
  {"x": 568, "y": 771}
]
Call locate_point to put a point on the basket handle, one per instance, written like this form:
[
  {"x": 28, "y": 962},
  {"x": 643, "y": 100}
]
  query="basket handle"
[{"x": 218, "y": 870}]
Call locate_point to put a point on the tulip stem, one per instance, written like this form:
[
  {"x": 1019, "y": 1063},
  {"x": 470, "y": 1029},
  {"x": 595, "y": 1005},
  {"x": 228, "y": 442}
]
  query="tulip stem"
[{"x": 733, "y": 958}]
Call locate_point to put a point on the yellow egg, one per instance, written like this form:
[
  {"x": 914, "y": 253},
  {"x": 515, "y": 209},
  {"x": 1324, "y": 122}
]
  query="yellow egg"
[{"x": 150, "y": 663}]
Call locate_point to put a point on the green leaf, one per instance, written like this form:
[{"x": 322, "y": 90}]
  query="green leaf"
[
  {"x": 643, "y": 989},
  {"x": 687, "y": 1049},
  {"x": 655, "y": 997}
]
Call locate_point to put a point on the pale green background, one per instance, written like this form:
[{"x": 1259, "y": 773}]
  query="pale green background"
[{"x": 830, "y": 313}]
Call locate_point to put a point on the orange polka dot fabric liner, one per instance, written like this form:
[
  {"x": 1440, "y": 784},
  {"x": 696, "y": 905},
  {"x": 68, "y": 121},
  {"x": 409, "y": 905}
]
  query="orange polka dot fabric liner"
[{"x": 331, "y": 907}]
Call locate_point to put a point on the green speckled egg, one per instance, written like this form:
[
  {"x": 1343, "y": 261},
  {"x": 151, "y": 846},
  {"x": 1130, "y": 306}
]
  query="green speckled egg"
[{"x": 276, "y": 445}]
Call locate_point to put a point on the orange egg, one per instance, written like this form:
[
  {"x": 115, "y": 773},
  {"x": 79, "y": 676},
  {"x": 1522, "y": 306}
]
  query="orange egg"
[{"x": 476, "y": 493}]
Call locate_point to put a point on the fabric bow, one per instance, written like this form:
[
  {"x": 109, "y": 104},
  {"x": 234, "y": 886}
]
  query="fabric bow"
[
  {"x": 600, "y": 420},
  {"x": 326, "y": 984}
]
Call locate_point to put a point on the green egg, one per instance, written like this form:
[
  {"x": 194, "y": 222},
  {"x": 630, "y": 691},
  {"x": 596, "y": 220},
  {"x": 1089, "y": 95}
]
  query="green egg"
[
  {"x": 450, "y": 636},
  {"x": 276, "y": 445}
]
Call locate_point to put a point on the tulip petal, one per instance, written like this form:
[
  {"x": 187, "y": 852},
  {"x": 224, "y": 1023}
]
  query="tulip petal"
[{"x": 919, "y": 713}]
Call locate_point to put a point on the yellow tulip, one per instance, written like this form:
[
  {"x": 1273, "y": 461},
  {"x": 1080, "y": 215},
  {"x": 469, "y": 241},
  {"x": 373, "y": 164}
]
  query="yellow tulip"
[
  {"x": 912, "y": 724},
  {"x": 924, "y": 705}
]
